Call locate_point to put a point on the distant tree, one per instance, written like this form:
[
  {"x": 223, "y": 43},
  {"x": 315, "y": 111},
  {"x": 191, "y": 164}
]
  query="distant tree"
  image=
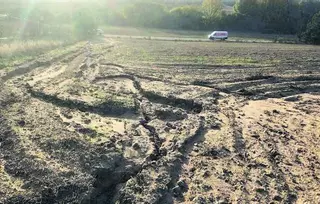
[
  {"x": 280, "y": 16},
  {"x": 186, "y": 17},
  {"x": 84, "y": 23},
  {"x": 248, "y": 7},
  {"x": 275, "y": 15},
  {"x": 34, "y": 22},
  {"x": 145, "y": 14},
  {"x": 308, "y": 8},
  {"x": 312, "y": 33},
  {"x": 212, "y": 10},
  {"x": 114, "y": 17},
  {"x": 229, "y": 2}
]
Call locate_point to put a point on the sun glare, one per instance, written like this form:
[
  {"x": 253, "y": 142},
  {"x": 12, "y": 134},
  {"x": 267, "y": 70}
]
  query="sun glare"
[{"x": 24, "y": 18}]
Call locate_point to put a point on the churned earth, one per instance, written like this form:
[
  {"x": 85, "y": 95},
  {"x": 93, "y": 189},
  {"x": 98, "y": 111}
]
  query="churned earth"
[{"x": 148, "y": 121}]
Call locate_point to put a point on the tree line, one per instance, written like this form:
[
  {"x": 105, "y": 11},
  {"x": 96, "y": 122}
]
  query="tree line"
[
  {"x": 300, "y": 17},
  {"x": 265, "y": 16}
]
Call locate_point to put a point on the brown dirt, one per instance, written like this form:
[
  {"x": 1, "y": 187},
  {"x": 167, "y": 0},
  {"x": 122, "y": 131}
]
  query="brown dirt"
[{"x": 140, "y": 121}]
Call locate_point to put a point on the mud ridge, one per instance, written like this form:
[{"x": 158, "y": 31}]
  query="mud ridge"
[
  {"x": 96, "y": 185},
  {"x": 107, "y": 182},
  {"x": 274, "y": 157},
  {"x": 24, "y": 69},
  {"x": 272, "y": 87},
  {"x": 120, "y": 76},
  {"x": 186, "y": 104},
  {"x": 240, "y": 149},
  {"x": 155, "y": 139},
  {"x": 208, "y": 66},
  {"x": 306, "y": 78},
  {"x": 269, "y": 147},
  {"x": 154, "y": 136},
  {"x": 169, "y": 168},
  {"x": 259, "y": 77},
  {"x": 185, "y": 150},
  {"x": 131, "y": 77},
  {"x": 239, "y": 142},
  {"x": 111, "y": 64},
  {"x": 23, "y": 166},
  {"x": 280, "y": 92},
  {"x": 159, "y": 156},
  {"x": 107, "y": 108},
  {"x": 150, "y": 160},
  {"x": 189, "y": 105},
  {"x": 208, "y": 85},
  {"x": 157, "y": 79}
]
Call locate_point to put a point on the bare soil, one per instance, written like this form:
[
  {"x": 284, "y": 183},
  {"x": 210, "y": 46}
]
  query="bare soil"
[{"x": 143, "y": 121}]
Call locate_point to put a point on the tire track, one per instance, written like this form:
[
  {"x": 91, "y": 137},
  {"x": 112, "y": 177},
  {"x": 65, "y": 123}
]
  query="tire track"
[
  {"x": 186, "y": 104},
  {"x": 28, "y": 67},
  {"x": 160, "y": 153},
  {"x": 273, "y": 157}
]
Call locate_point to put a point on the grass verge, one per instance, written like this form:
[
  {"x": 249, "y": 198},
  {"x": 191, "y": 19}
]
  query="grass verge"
[{"x": 16, "y": 52}]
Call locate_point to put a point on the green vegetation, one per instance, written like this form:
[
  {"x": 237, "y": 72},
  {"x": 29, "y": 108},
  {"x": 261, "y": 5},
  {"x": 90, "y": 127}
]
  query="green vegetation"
[
  {"x": 312, "y": 34},
  {"x": 187, "y": 54},
  {"x": 14, "y": 53},
  {"x": 268, "y": 16},
  {"x": 186, "y": 17},
  {"x": 144, "y": 14},
  {"x": 264, "y": 16},
  {"x": 212, "y": 11},
  {"x": 18, "y": 52},
  {"x": 84, "y": 24},
  {"x": 20, "y": 48},
  {"x": 80, "y": 19}
]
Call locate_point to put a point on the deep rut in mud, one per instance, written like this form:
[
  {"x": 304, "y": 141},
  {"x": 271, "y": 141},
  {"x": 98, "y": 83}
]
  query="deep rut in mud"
[{"x": 78, "y": 128}]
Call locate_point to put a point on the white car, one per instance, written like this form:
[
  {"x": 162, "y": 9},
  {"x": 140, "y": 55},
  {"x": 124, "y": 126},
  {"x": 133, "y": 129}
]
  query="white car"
[
  {"x": 222, "y": 35},
  {"x": 99, "y": 32}
]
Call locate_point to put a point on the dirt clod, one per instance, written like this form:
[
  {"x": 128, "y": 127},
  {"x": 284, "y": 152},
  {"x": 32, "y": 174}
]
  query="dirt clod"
[
  {"x": 21, "y": 123},
  {"x": 136, "y": 146},
  {"x": 293, "y": 98},
  {"x": 177, "y": 192}
]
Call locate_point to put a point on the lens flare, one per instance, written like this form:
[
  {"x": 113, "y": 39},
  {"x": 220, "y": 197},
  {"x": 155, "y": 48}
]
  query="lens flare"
[{"x": 25, "y": 17}]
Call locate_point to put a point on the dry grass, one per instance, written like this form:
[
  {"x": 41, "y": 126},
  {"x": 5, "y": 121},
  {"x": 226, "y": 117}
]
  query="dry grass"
[{"x": 19, "y": 48}]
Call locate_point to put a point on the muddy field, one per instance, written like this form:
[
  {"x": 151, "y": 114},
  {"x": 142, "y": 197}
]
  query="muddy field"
[{"x": 151, "y": 121}]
